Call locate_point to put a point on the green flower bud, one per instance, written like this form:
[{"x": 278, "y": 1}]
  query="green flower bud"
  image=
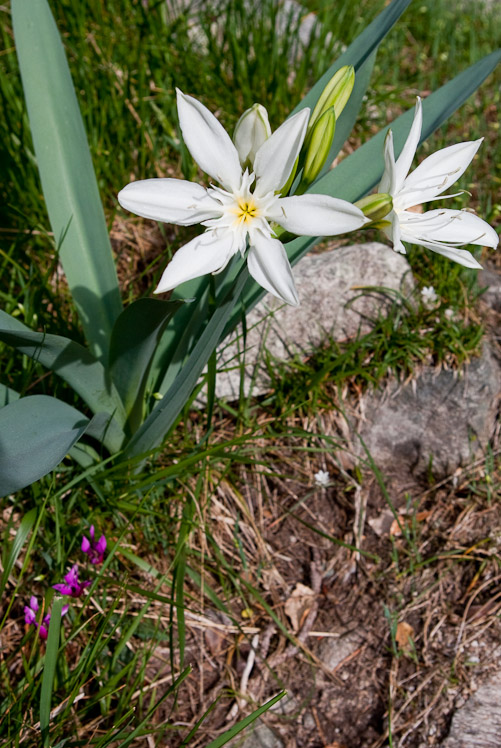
[
  {"x": 335, "y": 94},
  {"x": 376, "y": 206},
  {"x": 251, "y": 130},
  {"x": 319, "y": 145}
]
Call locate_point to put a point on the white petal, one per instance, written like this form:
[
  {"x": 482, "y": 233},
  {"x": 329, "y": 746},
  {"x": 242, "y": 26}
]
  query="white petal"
[
  {"x": 169, "y": 200},
  {"x": 251, "y": 131},
  {"x": 404, "y": 161},
  {"x": 387, "y": 183},
  {"x": 461, "y": 256},
  {"x": 208, "y": 142},
  {"x": 457, "y": 226},
  {"x": 316, "y": 215},
  {"x": 437, "y": 173},
  {"x": 276, "y": 157},
  {"x": 208, "y": 253},
  {"x": 269, "y": 265},
  {"x": 394, "y": 233}
]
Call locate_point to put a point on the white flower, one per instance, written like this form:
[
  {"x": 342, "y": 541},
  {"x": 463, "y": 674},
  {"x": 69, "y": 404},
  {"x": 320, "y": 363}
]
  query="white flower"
[
  {"x": 429, "y": 296},
  {"x": 237, "y": 215},
  {"x": 322, "y": 478},
  {"x": 442, "y": 231},
  {"x": 449, "y": 313}
]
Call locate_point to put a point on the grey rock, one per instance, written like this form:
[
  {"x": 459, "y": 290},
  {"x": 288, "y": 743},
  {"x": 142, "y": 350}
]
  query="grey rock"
[
  {"x": 334, "y": 651},
  {"x": 478, "y": 723},
  {"x": 328, "y": 285},
  {"x": 448, "y": 416},
  {"x": 259, "y": 737},
  {"x": 491, "y": 281}
]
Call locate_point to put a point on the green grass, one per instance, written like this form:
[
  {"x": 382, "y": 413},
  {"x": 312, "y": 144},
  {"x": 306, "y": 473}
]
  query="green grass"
[{"x": 165, "y": 550}]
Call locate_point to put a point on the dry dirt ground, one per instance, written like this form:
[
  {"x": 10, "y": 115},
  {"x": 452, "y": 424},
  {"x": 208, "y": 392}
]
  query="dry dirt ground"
[{"x": 373, "y": 649}]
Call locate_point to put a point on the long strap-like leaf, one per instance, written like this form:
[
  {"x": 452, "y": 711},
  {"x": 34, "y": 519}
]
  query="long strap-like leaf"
[
  {"x": 69, "y": 184},
  {"x": 69, "y": 360},
  {"x": 158, "y": 423}
]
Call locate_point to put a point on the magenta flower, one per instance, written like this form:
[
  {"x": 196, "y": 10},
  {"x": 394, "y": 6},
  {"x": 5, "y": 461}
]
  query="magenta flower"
[
  {"x": 30, "y": 617},
  {"x": 94, "y": 548},
  {"x": 73, "y": 587}
]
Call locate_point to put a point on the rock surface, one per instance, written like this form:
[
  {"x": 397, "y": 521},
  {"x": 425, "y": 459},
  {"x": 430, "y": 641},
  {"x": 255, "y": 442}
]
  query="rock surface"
[
  {"x": 478, "y": 723},
  {"x": 326, "y": 284},
  {"x": 447, "y": 417}
]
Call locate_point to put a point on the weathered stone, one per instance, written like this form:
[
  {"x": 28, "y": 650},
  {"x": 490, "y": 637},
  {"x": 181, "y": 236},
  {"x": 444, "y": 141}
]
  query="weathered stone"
[
  {"x": 259, "y": 737},
  {"x": 446, "y": 417},
  {"x": 478, "y": 723},
  {"x": 328, "y": 285},
  {"x": 491, "y": 282},
  {"x": 333, "y": 651}
]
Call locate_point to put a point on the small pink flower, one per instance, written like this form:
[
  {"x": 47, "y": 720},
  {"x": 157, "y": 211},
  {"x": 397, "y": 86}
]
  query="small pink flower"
[
  {"x": 30, "y": 617},
  {"x": 73, "y": 587},
  {"x": 94, "y": 548}
]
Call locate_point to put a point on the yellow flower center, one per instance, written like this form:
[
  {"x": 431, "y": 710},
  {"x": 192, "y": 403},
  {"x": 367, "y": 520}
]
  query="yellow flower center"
[{"x": 246, "y": 211}]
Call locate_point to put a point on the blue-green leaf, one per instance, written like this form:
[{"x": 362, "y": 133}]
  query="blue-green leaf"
[
  {"x": 36, "y": 433},
  {"x": 164, "y": 415},
  {"x": 133, "y": 342},
  {"x": 69, "y": 360},
  {"x": 68, "y": 180}
]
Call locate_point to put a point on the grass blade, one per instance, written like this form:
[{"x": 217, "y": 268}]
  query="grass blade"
[
  {"x": 22, "y": 534},
  {"x": 68, "y": 180},
  {"x": 236, "y": 729},
  {"x": 49, "y": 669}
]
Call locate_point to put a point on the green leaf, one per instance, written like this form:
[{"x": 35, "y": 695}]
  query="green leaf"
[
  {"x": 164, "y": 415},
  {"x": 69, "y": 360},
  {"x": 16, "y": 547},
  {"x": 133, "y": 343},
  {"x": 68, "y": 180},
  {"x": 49, "y": 668},
  {"x": 236, "y": 729},
  {"x": 36, "y": 433}
]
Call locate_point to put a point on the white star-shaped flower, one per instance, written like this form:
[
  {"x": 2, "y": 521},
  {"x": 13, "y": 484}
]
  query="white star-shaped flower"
[
  {"x": 237, "y": 214},
  {"x": 442, "y": 231},
  {"x": 322, "y": 478}
]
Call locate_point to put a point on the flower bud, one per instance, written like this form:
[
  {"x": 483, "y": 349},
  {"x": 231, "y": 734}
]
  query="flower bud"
[
  {"x": 319, "y": 145},
  {"x": 335, "y": 94},
  {"x": 375, "y": 207},
  {"x": 251, "y": 130}
]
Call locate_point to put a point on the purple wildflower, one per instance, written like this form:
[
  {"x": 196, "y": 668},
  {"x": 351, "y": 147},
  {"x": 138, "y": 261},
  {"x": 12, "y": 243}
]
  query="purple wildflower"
[
  {"x": 94, "y": 548},
  {"x": 73, "y": 587},
  {"x": 30, "y": 617}
]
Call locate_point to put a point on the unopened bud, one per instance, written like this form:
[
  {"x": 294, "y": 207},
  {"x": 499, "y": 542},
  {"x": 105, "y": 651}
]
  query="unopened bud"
[
  {"x": 335, "y": 94},
  {"x": 319, "y": 145},
  {"x": 251, "y": 130},
  {"x": 375, "y": 207}
]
